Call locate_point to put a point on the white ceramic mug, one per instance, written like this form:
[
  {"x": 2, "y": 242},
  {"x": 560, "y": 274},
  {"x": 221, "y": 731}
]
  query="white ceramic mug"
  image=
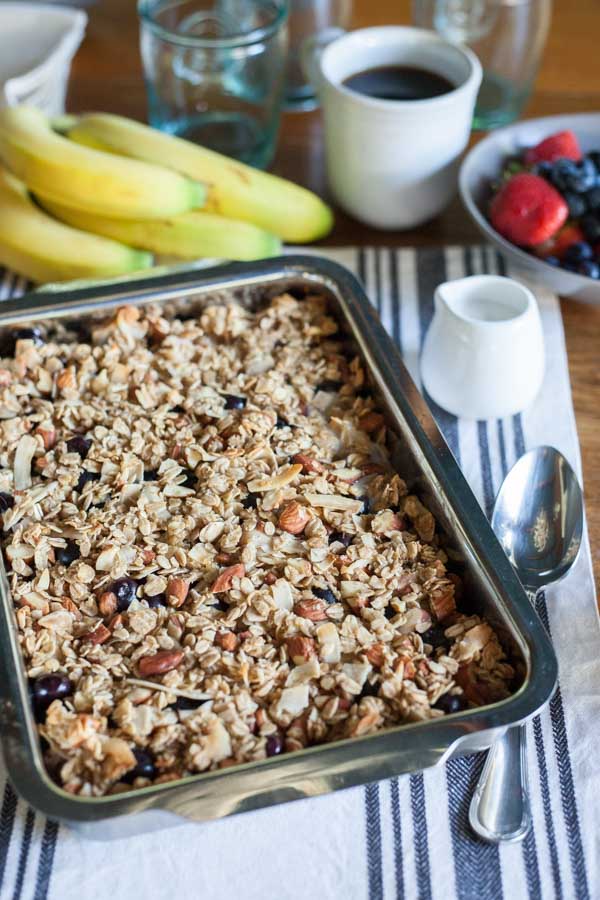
[
  {"x": 393, "y": 163},
  {"x": 483, "y": 356}
]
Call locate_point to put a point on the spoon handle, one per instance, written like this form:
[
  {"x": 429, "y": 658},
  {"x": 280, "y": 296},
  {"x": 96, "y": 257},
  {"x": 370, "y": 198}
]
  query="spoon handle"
[{"x": 499, "y": 809}]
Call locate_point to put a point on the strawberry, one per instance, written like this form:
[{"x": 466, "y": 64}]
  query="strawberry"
[
  {"x": 527, "y": 210},
  {"x": 562, "y": 145},
  {"x": 560, "y": 242}
]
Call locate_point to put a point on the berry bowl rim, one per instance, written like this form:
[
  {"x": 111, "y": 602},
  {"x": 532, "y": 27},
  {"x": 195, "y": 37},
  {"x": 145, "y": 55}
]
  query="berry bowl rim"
[{"x": 483, "y": 162}]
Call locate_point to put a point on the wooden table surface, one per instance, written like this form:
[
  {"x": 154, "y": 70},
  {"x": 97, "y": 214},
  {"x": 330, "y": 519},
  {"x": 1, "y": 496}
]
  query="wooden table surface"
[{"x": 107, "y": 75}]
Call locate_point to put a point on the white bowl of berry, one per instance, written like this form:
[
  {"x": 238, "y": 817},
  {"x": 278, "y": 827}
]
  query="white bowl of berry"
[{"x": 533, "y": 190}]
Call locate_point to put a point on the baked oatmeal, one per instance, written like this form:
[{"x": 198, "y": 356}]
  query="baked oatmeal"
[{"x": 211, "y": 556}]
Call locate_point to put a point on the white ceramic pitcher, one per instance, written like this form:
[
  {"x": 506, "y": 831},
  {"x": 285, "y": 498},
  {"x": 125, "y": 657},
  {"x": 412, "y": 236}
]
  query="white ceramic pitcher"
[{"x": 483, "y": 355}]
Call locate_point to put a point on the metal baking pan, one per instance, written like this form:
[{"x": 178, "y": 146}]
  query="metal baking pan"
[{"x": 422, "y": 457}]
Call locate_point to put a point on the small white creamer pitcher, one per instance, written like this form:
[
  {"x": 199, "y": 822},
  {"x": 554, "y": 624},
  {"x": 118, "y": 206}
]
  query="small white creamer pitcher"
[{"x": 483, "y": 355}]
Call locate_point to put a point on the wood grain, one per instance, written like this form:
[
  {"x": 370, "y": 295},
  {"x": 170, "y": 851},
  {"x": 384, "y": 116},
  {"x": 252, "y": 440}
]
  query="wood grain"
[{"x": 107, "y": 75}]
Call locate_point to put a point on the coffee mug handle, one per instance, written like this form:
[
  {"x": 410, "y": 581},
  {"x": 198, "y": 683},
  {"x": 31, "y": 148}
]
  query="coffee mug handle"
[{"x": 311, "y": 51}]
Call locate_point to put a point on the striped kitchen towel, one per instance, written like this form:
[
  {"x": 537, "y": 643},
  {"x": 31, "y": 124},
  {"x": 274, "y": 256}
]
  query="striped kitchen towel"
[{"x": 407, "y": 837}]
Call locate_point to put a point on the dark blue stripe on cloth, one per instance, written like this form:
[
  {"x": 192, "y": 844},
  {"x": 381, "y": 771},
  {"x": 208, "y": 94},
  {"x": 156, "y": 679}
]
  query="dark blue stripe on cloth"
[
  {"x": 397, "y": 835},
  {"x": 540, "y": 751},
  {"x": 502, "y": 448},
  {"x": 420, "y": 837},
  {"x": 565, "y": 776},
  {"x": 532, "y": 869},
  {"x": 486, "y": 468},
  {"x": 395, "y": 297},
  {"x": 24, "y": 853},
  {"x": 47, "y": 851},
  {"x": 373, "y": 836},
  {"x": 7, "y": 821},
  {"x": 519, "y": 436},
  {"x": 477, "y": 865}
]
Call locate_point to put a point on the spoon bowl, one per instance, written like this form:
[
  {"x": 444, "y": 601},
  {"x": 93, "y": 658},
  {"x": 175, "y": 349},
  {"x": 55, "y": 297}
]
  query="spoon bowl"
[{"x": 538, "y": 517}]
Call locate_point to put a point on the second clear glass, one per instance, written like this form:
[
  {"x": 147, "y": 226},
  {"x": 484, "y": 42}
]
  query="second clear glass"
[
  {"x": 508, "y": 36},
  {"x": 214, "y": 72}
]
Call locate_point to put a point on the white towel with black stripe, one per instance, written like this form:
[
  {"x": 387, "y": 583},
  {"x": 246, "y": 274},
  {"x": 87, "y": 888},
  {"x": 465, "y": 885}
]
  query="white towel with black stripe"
[{"x": 407, "y": 837}]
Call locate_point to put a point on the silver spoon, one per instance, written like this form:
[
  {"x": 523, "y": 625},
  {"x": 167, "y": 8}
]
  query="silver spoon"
[{"x": 538, "y": 519}]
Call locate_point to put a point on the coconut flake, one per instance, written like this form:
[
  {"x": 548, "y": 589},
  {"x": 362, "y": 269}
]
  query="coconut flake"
[
  {"x": 23, "y": 456},
  {"x": 304, "y": 673},
  {"x": 282, "y": 594},
  {"x": 329, "y": 642},
  {"x": 292, "y": 700}
]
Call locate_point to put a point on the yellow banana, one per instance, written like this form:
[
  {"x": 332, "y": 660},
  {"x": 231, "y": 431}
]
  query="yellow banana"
[
  {"x": 190, "y": 235},
  {"x": 88, "y": 179},
  {"x": 235, "y": 190},
  {"x": 42, "y": 249}
]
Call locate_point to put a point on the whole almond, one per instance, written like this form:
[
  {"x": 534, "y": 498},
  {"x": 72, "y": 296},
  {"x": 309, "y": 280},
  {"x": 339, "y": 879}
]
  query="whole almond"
[
  {"x": 293, "y": 518},
  {"x": 375, "y": 655},
  {"x": 224, "y": 581},
  {"x": 308, "y": 463},
  {"x": 107, "y": 604},
  {"x": 148, "y": 556},
  {"x": 98, "y": 636},
  {"x": 177, "y": 591},
  {"x": 270, "y": 578},
  {"x": 227, "y": 640},
  {"x": 48, "y": 436},
  {"x": 160, "y": 662},
  {"x": 300, "y": 648},
  {"x": 371, "y": 422},
  {"x": 311, "y": 609}
]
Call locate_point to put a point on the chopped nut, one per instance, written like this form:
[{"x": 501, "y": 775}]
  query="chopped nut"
[
  {"x": 98, "y": 636},
  {"x": 107, "y": 604},
  {"x": 227, "y": 640},
  {"x": 300, "y": 648},
  {"x": 177, "y": 591},
  {"x": 48, "y": 437},
  {"x": 371, "y": 422},
  {"x": 308, "y": 464},
  {"x": 315, "y": 610},
  {"x": 442, "y": 602},
  {"x": 270, "y": 578},
  {"x": 375, "y": 655},
  {"x": 293, "y": 518},
  {"x": 160, "y": 662},
  {"x": 225, "y": 580}
]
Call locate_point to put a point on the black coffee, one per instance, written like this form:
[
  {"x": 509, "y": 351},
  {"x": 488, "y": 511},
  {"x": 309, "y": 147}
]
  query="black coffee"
[{"x": 399, "y": 83}]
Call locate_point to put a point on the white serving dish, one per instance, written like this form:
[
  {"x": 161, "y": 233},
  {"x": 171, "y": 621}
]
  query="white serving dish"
[
  {"x": 37, "y": 43},
  {"x": 482, "y": 165}
]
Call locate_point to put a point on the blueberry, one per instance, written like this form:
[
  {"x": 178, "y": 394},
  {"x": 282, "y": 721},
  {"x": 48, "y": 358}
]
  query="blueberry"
[
  {"x": 577, "y": 204},
  {"x": 274, "y": 745},
  {"x": 562, "y": 170},
  {"x": 29, "y": 334},
  {"x": 86, "y": 476},
  {"x": 366, "y": 505},
  {"x": 156, "y": 600},
  {"x": 251, "y": 501},
  {"x": 187, "y": 703},
  {"x": 578, "y": 251},
  {"x": 369, "y": 690},
  {"x": 281, "y": 422},
  {"x": 234, "y": 402},
  {"x": 364, "y": 392},
  {"x": 436, "y": 637},
  {"x": 66, "y": 555},
  {"x": 150, "y": 475},
  {"x": 342, "y": 537},
  {"x": 552, "y": 261},
  {"x": 329, "y": 385},
  {"x": 577, "y": 176},
  {"x": 389, "y": 612},
  {"x": 177, "y": 409},
  {"x": 7, "y": 501},
  {"x": 591, "y": 228},
  {"x": 124, "y": 590},
  {"x": 190, "y": 480},
  {"x": 590, "y": 268},
  {"x": 48, "y": 688},
  {"x": 594, "y": 157},
  {"x": 325, "y": 594},
  {"x": 79, "y": 444},
  {"x": 592, "y": 199},
  {"x": 144, "y": 767},
  {"x": 543, "y": 169},
  {"x": 220, "y": 605},
  {"x": 450, "y": 703}
]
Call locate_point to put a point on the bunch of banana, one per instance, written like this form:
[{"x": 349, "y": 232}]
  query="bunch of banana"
[{"x": 103, "y": 185}]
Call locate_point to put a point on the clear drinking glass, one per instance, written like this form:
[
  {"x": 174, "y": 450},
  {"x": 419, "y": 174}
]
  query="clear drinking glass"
[
  {"x": 308, "y": 18},
  {"x": 508, "y": 36},
  {"x": 214, "y": 72}
]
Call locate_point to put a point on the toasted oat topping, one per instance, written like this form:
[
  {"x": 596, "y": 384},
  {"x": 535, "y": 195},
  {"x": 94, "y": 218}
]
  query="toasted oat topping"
[{"x": 211, "y": 556}]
